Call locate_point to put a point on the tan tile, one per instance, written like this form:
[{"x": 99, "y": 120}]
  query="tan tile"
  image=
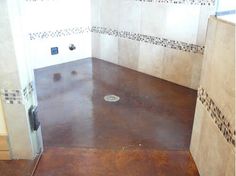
[
  {"x": 153, "y": 19},
  {"x": 109, "y": 13},
  {"x": 19, "y": 134},
  {"x": 151, "y": 59},
  {"x": 129, "y": 53},
  {"x": 218, "y": 66},
  {"x": 4, "y": 143},
  {"x": 96, "y": 45},
  {"x": 5, "y": 155},
  {"x": 180, "y": 26},
  {"x": 178, "y": 67},
  {"x": 130, "y": 16},
  {"x": 196, "y": 70},
  {"x": 213, "y": 150},
  {"x": 230, "y": 169},
  {"x": 205, "y": 13},
  {"x": 109, "y": 48},
  {"x": 197, "y": 129}
]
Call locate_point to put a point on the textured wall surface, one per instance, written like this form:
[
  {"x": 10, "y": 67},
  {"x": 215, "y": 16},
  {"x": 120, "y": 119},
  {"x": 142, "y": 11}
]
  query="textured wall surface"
[
  {"x": 163, "y": 39},
  {"x": 213, "y": 137}
]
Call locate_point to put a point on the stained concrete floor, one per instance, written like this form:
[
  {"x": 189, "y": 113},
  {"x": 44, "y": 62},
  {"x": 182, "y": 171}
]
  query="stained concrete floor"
[{"x": 146, "y": 133}]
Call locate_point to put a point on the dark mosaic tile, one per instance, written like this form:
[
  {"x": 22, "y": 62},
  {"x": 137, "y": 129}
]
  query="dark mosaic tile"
[
  {"x": 190, "y": 2},
  {"x": 216, "y": 114},
  {"x": 178, "y": 45}
]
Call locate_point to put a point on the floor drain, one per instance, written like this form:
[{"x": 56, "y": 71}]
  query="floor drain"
[{"x": 111, "y": 98}]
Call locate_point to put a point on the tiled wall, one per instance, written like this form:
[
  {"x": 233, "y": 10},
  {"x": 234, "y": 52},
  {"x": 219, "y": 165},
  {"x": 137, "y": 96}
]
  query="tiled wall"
[
  {"x": 15, "y": 90},
  {"x": 57, "y": 23},
  {"x": 162, "y": 38},
  {"x": 213, "y": 137}
]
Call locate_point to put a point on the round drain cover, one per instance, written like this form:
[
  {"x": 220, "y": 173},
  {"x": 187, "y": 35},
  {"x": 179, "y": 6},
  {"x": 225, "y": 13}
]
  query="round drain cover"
[{"x": 111, "y": 98}]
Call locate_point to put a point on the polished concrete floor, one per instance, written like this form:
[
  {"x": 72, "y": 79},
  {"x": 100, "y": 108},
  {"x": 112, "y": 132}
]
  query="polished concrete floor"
[
  {"x": 151, "y": 112},
  {"x": 18, "y": 167},
  {"x": 147, "y": 132}
]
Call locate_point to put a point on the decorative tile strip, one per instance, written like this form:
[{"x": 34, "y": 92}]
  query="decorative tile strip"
[
  {"x": 11, "y": 96},
  {"x": 190, "y": 2},
  {"x": 17, "y": 96},
  {"x": 27, "y": 91},
  {"x": 220, "y": 120},
  {"x": 178, "y": 45},
  {"x": 58, "y": 33}
]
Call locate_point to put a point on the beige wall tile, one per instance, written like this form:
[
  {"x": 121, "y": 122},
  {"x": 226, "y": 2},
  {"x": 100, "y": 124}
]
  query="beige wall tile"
[
  {"x": 151, "y": 59},
  {"x": 130, "y": 16},
  {"x": 196, "y": 70},
  {"x": 218, "y": 76},
  {"x": 109, "y": 13},
  {"x": 129, "y": 53},
  {"x": 197, "y": 129},
  {"x": 19, "y": 134},
  {"x": 153, "y": 19},
  {"x": 178, "y": 67},
  {"x": 96, "y": 45},
  {"x": 180, "y": 26},
  {"x": 205, "y": 13},
  {"x": 213, "y": 150},
  {"x": 230, "y": 169},
  {"x": 109, "y": 48}
]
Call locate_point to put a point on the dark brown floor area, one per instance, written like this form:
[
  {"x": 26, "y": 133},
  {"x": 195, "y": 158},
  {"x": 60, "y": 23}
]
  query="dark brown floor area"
[
  {"x": 103, "y": 162},
  {"x": 151, "y": 112},
  {"x": 17, "y": 167},
  {"x": 146, "y": 133}
]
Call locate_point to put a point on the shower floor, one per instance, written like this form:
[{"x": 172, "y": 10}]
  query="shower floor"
[{"x": 148, "y": 130}]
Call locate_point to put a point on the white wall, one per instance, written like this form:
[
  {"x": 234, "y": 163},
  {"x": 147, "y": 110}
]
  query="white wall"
[
  {"x": 226, "y": 6},
  {"x": 44, "y": 16}
]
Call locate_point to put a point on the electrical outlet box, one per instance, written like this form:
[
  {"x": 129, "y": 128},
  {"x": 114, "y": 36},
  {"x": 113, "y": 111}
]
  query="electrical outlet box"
[{"x": 54, "y": 50}]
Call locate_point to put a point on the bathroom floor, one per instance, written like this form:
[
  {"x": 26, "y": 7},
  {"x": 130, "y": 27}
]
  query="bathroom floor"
[{"x": 147, "y": 132}]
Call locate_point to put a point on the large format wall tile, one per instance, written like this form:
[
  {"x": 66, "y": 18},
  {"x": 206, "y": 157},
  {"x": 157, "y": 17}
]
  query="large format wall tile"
[
  {"x": 130, "y": 16},
  {"x": 213, "y": 137},
  {"x": 109, "y": 13},
  {"x": 18, "y": 129},
  {"x": 205, "y": 12},
  {"x": 129, "y": 53},
  {"x": 209, "y": 149},
  {"x": 95, "y": 12},
  {"x": 181, "y": 23},
  {"x": 178, "y": 67},
  {"x": 109, "y": 48},
  {"x": 153, "y": 19},
  {"x": 169, "y": 30},
  {"x": 151, "y": 59},
  {"x": 95, "y": 45},
  {"x": 219, "y": 63}
]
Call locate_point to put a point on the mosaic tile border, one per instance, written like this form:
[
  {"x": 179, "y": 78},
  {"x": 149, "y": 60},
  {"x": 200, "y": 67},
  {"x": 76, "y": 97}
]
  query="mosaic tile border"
[
  {"x": 11, "y": 96},
  {"x": 174, "y": 44},
  {"x": 178, "y": 45},
  {"x": 17, "y": 96},
  {"x": 219, "y": 118},
  {"x": 59, "y": 33},
  {"x": 190, "y": 2}
]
